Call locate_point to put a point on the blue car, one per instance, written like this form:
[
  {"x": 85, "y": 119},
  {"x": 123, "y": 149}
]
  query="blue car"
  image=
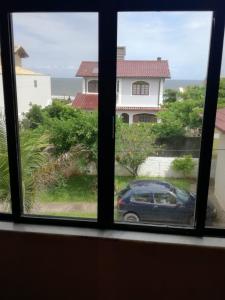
[{"x": 156, "y": 201}]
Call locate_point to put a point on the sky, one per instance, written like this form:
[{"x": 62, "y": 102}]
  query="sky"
[{"x": 58, "y": 42}]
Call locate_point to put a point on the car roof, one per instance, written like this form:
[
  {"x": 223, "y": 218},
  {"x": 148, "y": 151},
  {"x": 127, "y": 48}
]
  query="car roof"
[
  {"x": 149, "y": 182},
  {"x": 153, "y": 186}
]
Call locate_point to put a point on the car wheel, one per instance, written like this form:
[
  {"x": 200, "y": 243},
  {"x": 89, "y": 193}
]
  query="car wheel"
[{"x": 131, "y": 217}]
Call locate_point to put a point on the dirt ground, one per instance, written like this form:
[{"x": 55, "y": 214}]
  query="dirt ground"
[{"x": 65, "y": 207}]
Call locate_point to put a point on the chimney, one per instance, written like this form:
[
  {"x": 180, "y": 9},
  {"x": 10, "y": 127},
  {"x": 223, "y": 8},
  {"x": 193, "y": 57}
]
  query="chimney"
[
  {"x": 121, "y": 52},
  {"x": 159, "y": 58}
]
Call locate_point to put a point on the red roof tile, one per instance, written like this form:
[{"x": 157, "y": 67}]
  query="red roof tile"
[
  {"x": 220, "y": 119},
  {"x": 86, "y": 101},
  {"x": 90, "y": 102},
  {"x": 129, "y": 68}
]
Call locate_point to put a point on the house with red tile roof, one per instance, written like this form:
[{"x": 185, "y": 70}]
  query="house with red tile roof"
[{"x": 140, "y": 86}]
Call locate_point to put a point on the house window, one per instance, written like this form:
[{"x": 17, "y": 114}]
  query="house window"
[
  {"x": 140, "y": 88},
  {"x": 134, "y": 146},
  {"x": 35, "y": 83},
  {"x": 145, "y": 118},
  {"x": 125, "y": 118},
  {"x": 93, "y": 86}
]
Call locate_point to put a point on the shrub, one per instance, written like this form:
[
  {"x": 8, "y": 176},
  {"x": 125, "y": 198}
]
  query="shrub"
[
  {"x": 184, "y": 164},
  {"x": 34, "y": 117},
  {"x": 134, "y": 143}
]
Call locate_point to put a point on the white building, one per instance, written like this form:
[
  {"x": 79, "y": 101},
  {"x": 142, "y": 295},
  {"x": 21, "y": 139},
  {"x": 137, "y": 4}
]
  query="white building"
[
  {"x": 32, "y": 87},
  {"x": 140, "y": 86}
]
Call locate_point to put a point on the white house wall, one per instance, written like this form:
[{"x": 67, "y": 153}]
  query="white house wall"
[
  {"x": 152, "y": 100},
  {"x": 27, "y": 93},
  {"x": 220, "y": 172}
]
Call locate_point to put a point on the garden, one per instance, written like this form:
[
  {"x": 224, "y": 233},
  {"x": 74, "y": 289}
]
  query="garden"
[{"x": 58, "y": 146}]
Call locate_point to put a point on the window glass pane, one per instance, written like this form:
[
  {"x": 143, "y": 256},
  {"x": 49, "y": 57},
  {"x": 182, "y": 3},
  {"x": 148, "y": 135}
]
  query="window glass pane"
[
  {"x": 55, "y": 57},
  {"x": 5, "y": 205},
  {"x": 216, "y": 196},
  {"x": 93, "y": 86},
  {"x": 142, "y": 197},
  {"x": 161, "y": 66},
  {"x": 164, "y": 198}
]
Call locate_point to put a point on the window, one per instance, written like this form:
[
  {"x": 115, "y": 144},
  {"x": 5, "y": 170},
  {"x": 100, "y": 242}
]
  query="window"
[
  {"x": 144, "y": 118},
  {"x": 154, "y": 153},
  {"x": 59, "y": 164},
  {"x": 111, "y": 148},
  {"x": 125, "y": 118},
  {"x": 93, "y": 86},
  {"x": 165, "y": 198},
  {"x": 140, "y": 88},
  {"x": 143, "y": 197},
  {"x": 215, "y": 216}
]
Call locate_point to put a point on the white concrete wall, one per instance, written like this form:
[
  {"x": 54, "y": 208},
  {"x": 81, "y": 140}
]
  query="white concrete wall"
[
  {"x": 161, "y": 167},
  {"x": 220, "y": 172},
  {"x": 18, "y": 60},
  {"x": 127, "y": 99},
  {"x": 27, "y": 93}
]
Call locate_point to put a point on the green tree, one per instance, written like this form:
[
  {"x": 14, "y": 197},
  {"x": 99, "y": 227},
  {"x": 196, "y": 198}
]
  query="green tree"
[
  {"x": 182, "y": 117},
  {"x": 193, "y": 93},
  {"x": 170, "y": 95},
  {"x": 32, "y": 159},
  {"x": 34, "y": 117},
  {"x": 67, "y": 128},
  {"x": 74, "y": 127},
  {"x": 184, "y": 164},
  {"x": 221, "y": 96},
  {"x": 4, "y": 167},
  {"x": 134, "y": 143}
]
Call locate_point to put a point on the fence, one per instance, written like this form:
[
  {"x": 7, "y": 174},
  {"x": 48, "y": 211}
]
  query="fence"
[{"x": 156, "y": 166}]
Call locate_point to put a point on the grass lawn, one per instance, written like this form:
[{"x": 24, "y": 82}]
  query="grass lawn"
[
  {"x": 75, "y": 189},
  {"x": 185, "y": 184},
  {"x": 77, "y": 197},
  {"x": 84, "y": 189}
]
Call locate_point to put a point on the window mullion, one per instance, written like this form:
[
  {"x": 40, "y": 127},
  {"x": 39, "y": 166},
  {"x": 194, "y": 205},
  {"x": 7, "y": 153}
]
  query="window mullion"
[
  {"x": 213, "y": 79},
  {"x": 107, "y": 104},
  {"x": 9, "y": 87}
]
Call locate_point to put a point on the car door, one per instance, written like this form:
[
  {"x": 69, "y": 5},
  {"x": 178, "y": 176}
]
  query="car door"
[
  {"x": 165, "y": 208},
  {"x": 142, "y": 203}
]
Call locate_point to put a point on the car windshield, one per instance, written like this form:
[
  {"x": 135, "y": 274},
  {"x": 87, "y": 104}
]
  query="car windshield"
[{"x": 182, "y": 195}]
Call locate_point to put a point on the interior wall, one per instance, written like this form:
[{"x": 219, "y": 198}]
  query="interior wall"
[{"x": 40, "y": 266}]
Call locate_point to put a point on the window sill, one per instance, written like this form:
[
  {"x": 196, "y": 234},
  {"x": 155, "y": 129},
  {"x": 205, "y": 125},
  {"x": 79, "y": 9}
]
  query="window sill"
[{"x": 212, "y": 242}]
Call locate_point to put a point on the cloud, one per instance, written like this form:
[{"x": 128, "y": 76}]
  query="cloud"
[
  {"x": 182, "y": 38},
  {"x": 58, "y": 42}
]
